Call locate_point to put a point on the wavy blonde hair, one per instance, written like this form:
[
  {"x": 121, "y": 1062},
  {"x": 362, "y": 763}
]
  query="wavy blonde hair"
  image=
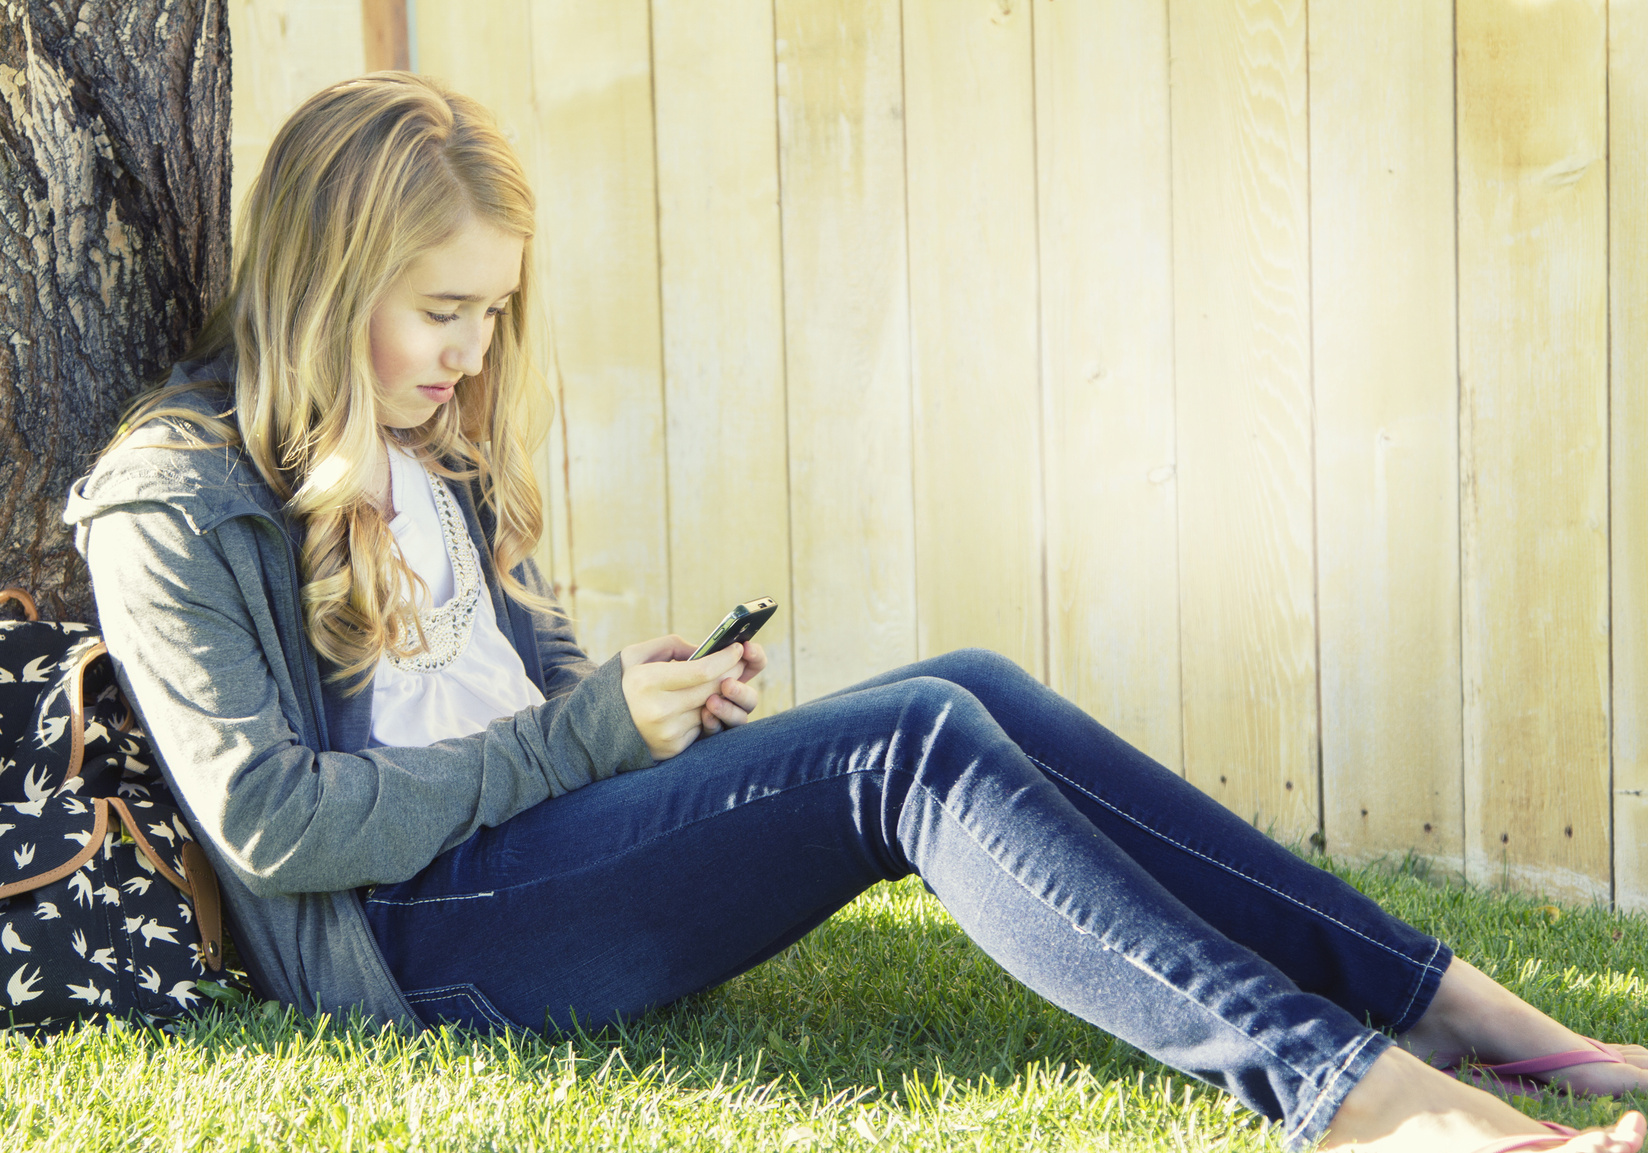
[{"x": 364, "y": 178}]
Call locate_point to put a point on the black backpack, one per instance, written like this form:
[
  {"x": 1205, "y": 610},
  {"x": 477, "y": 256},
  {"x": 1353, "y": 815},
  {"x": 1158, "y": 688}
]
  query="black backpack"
[{"x": 108, "y": 907}]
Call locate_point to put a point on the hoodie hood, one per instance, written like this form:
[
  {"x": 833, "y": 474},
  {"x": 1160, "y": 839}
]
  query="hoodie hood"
[{"x": 158, "y": 464}]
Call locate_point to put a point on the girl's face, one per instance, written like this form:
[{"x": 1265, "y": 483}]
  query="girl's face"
[{"x": 436, "y": 322}]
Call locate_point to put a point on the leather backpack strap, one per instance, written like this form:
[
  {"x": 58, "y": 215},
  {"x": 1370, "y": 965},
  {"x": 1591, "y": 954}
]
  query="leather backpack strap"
[
  {"x": 30, "y": 612},
  {"x": 146, "y": 846},
  {"x": 208, "y": 903},
  {"x": 77, "y": 708},
  {"x": 100, "y": 828},
  {"x": 198, "y": 883}
]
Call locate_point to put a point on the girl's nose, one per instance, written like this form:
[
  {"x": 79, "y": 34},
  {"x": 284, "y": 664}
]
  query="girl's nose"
[{"x": 467, "y": 351}]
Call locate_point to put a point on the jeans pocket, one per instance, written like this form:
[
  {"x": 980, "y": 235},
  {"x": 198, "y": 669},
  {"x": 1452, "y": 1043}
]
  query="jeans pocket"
[{"x": 460, "y": 1004}]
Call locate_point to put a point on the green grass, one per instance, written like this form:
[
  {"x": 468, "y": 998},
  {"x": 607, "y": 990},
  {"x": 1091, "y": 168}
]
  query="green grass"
[{"x": 885, "y": 1029}]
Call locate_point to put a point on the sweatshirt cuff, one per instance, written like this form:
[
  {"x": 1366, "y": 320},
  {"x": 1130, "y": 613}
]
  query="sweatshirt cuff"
[{"x": 607, "y": 729}]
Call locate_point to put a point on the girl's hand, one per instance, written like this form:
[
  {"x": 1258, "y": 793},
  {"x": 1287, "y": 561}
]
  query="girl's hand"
[
  {"x": 738, "y": 697},
  {"x": 668, "y": 696}
]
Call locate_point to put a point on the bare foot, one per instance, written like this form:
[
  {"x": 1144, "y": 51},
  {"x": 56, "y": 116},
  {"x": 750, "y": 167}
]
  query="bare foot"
[
  {"x": 1403, "y": 1105},
  {"x": 1474, "y": 1016}
]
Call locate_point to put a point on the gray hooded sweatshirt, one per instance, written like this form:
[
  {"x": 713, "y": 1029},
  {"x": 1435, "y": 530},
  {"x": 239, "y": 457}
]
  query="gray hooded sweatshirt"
[{"x": 193, "y": 565}]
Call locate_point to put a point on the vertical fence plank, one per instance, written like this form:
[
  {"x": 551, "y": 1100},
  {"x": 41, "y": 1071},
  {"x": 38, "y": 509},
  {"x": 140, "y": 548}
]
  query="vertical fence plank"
[
  {"x": 484, "y": 52},
  {"x": 1533, "y": 416},
  {"x": 384, "y": 33},
  {"x": 598, "y": 235},
  {"x": 1242, "y": 355},
  {"x": 1628, "y": 415},
  {"x": 1387, "y": 486},
  {"x": 285, "y": 51},
  {"x": 973, "y": 281},
  {"x": 1107, "y": 354},
  {"x": 846, "y": 294},
  {"x": 723, "y": 318}
]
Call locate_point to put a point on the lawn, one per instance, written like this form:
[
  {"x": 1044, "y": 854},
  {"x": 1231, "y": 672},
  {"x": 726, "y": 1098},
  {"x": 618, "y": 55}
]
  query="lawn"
[{"x": 885, "y": 1029}]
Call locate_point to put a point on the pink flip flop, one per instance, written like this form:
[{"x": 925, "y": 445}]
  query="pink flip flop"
[
  {"x": 1518, "y": 1077},
  {"x": 1560, "y": 1133}
]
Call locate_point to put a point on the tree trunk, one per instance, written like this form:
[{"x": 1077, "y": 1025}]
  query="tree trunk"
[{"x": 114, "y": 243}]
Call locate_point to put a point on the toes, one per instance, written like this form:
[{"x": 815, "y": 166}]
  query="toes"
[{"x": 1627, "y": 1134}]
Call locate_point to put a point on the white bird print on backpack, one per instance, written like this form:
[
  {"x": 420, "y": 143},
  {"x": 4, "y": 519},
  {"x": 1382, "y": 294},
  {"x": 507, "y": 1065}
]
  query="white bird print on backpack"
[
  {"x": 154, "y": 931},
  {"x": 37, "y": 793},
  {"x": 21, "y": 988},
  {"x": 89, "y": 994},
  {"x": 49, "y": 729},
  {"x": 11, "y": 942}
]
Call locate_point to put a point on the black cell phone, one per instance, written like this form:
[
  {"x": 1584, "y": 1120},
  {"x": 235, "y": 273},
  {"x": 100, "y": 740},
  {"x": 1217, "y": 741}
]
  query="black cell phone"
[{"x": 739, "y": 625}]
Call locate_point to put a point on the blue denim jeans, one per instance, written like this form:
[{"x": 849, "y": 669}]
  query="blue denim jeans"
[{"x": 1091, "y": 873}]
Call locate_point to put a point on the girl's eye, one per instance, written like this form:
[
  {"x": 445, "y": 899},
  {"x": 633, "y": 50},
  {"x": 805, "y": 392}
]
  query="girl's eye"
[
  {"x": 500, "y": 311},
  {"x": 442, "y": 317}
]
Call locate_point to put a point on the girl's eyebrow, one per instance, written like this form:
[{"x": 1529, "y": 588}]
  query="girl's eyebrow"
[{"x": 464, "y": 297}]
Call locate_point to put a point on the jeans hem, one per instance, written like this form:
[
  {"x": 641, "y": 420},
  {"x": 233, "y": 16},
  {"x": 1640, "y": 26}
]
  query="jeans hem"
[
  {"x": 1340, "y": 1081},
  {"x": 1430, "y": 979}
]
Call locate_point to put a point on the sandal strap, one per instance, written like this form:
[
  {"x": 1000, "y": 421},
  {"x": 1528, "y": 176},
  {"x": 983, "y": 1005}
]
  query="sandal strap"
[
  {"x": 1554, "y": 1140},
  {"x": 1595, "y": 1055}
]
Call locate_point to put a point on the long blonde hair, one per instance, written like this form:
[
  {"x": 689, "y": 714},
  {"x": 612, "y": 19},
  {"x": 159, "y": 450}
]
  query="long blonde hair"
[{"x": 362, "y": 179}]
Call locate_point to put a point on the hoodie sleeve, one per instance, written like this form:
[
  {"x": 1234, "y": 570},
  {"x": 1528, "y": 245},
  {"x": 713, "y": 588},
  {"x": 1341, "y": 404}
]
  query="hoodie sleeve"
[{"x": 187, "y": 619}]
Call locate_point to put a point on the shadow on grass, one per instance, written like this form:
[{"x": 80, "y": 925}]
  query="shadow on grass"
[
  {"x": 886, "y": 994},
  {"x": 890, "y": 994}
]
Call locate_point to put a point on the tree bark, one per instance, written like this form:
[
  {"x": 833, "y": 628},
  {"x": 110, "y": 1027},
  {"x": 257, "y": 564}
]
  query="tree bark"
[{"x": 114, "y": 243}]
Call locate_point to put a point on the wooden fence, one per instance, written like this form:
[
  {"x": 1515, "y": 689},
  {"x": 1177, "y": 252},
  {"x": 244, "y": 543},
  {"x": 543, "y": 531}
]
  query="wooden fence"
[{"x": 1267, "y": 377}]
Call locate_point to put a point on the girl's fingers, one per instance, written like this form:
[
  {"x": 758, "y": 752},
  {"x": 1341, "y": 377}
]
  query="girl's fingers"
[
  {"x": 755, "y": 659},
  {"x": 670, "y": 648},
  {"x": 708, "y": 722},
  {"x": 745, "y": 696}
]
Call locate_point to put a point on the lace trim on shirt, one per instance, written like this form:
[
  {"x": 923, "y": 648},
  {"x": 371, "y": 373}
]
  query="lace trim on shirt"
[{"x": 446, "y": 629}]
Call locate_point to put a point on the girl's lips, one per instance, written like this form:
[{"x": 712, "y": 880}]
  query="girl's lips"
[{"x": 439, "y": 393}]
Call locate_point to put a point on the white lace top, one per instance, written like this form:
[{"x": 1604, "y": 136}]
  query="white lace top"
[{"x": 471, "y": 675}]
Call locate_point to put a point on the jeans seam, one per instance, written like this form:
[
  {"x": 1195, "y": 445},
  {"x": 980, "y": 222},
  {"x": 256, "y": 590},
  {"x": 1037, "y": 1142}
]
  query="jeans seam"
[
  {"x": 466, "y": 989},
  {"x": 1326, "y": 916},
  {"x": 430, "y": 900},
  {"x": 1159, "y": 978}
]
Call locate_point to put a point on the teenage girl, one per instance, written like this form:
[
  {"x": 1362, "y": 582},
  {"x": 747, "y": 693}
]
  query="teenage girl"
[{"x": 310, "y": 555}]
